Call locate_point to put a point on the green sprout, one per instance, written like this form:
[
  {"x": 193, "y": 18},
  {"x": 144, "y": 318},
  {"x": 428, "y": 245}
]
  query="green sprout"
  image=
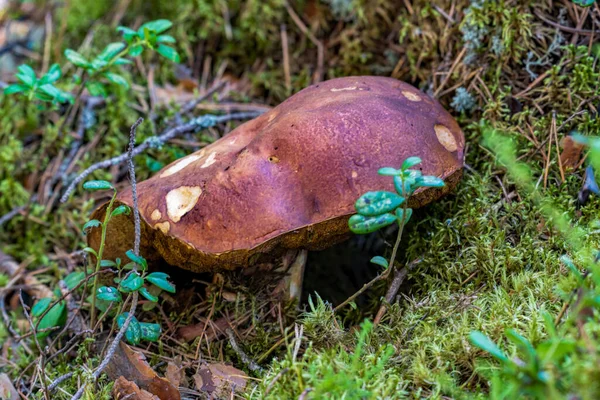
[{"x": 42, "y": 88}]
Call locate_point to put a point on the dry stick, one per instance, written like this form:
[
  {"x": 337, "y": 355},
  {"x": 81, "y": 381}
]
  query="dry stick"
[
  {"x": 286, "y": 59},
  {"x": 399, "y": 276},
  {"x": 318, "y": 75},
  {"x": 136, "y": 249},
  {"x": 243, "y": 356},
  {"x": 203, "y": 122}
]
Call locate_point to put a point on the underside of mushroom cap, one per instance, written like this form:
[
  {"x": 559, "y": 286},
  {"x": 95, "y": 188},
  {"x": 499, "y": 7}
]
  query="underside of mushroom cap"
[{"x": 290, "y": 178}]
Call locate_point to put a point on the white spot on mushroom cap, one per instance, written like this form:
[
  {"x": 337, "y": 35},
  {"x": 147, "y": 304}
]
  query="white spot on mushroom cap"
[
  {"x": 210, "y": 160},
  {"x": 163, "y": 226},
  {"x": 445, "y": 137},
  {"x": 342, "y": 89},
  {"x": 411, "y": 96},
  {"x": 156, "y": 215},
  {"x": 181, "y": 200},
  {"x": 354, "y": 174},
  {"x": 184, "y": 162}
]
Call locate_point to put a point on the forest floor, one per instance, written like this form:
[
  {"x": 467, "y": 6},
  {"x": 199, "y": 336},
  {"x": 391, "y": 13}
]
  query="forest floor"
[{"x": 490, "y": 253}]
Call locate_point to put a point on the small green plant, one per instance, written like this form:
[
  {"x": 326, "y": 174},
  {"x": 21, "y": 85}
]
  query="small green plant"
[
  {"x": 379, "y": 209},
  {"x": 133, "y": 281},
  {"x": 42, "y": 88}
]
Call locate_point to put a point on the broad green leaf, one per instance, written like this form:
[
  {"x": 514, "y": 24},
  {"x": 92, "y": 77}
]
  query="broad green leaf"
[
  {"x": 165, "y": 39},
  {"x": 484, "y": 343},
  {"x": 26, "y": 75},
  {"x": 98, "y": 64},
  {"x": 111, "y": 50},
  {"x": 41, "y": 306},
  {"x": 583, "y": 3},
  {"x": 146, "y": 293},
  {"x": 53, "y": 74},
  {"x": 117, "y": 79},
  {"x": 160, "y": 279},
  {"x": 400, "y": 215},
  {"x": 94, "y": 223},
  {"x": 411, "y": 162},
  {"x": 15, "y": 88},
  {"x": 64, "y": 97},
  {"x": 74, "y": 279},
  {"x": 388, "y": 171},
  {"x": 131, "y": 283},
  {"x": 122, "y": 61},
  {"x": 76, "y": 59},
  {"x": 404, "y": 185},
  {"x": 128, "y": 33},
  {"x": 54, "y": 317},
  {"x": 139, "y": 260},
  {"x": 168, "y": 52},
  {"x": 377, "y": 203},
  {"x": 150, "y": 332},
  {"x": 522, "y": 343},
  {"x": 133, "y": 334},
  {"x": 97, "y": 185},
  {"x": 554, "y": 350},
  {"x": 122, "y": 209},
  {"x": 361, "y": 224},
  {"x": 380, "y": 261},
  {"x": 136, "y": 50},
  {"x": 96, "y": 88},
  {"x": 158, "y": 26},
  {"x": 90, "y": 250},
  {"x": 429, "y": 181},
  {"x": 108, "y": 293},
  {"x": 107, "y": 263}
]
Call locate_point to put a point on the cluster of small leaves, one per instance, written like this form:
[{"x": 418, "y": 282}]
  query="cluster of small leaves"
[
  {"x": 42, "y": 88},
  {"x": 379, "y": 209},
  {"x": 148, "y": 36},
  {"x": 133, "y": 280},
  {"x": 583, "y": 3}
]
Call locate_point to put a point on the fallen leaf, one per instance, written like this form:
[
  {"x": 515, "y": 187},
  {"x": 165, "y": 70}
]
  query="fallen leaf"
[
  {"x": 124, "y": 389},
  {"x": 571, "y": 153},
  {"x": 7, "y": 390},
  {"x": 132, "y": 365},
  {"x": 220, "y": 379},
  {"x": 175, "y": 374}
]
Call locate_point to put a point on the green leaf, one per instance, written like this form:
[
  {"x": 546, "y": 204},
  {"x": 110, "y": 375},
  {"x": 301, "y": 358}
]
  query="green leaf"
[
  {"x": 554, "y": 350},
  {"x": 97, "y": 185},
  {"x": 408, "y": 183},
  {"x": 107, "y": 263},
  {"x": 146, "y": 293},
  {"x": 111, "y": 50},
  {"x": 15, "y": 88},
  {"x": 484, "y": 343},
  {"x": 380, "y": 261},
  {"x": 122, "y": 209},
  {"x": 90, "y": 250},
  {"x": 136, "y": 50},
  {"x": 168, "y": 53},
  {"x": 361, "y": 224},
  {"x": 122, "y": 61},
  {"x": 388, "y": 171},
  {"x": 583, "y": 3},
  {"x": 94, "y": 223},
  {"x": 76, "y": 59},
  {"x": 98, "y": 64},
  {"x": 74, "y": 279},
  {"x": 377, "y": 203},
  {"x": 574, "y": 270},
  {"x": 53, "y": 74},
  {"x": 128, "y": 33},
  {"x": 132, "y": 282},
  {"x": 157, "y": 26},
  {"x": 96, "y": 88},
  {"x": 41, "y": 306},
  {"x": 26, "y": 75},
  {"x": 139, "y": 260},
  {"x": 429, "y": 181},
  {"x": 150, "y": 332},
  {"x": 133, "y": 334},
  {"x": 153, "y": 165},
  {"x": 160, "y": 279},
  {"x": 165, "y": 39},
  {"x": 522, "y": 343},
  {"x": 108, "y": 293},
  {"x": 117, "y": 79},
  {"x": 400, "y": 215},
  {"x": 411, "y": 162}
]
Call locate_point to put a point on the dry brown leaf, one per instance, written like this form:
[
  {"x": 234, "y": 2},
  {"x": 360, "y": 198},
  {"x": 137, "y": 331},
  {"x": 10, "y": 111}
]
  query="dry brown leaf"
[
  {"x": 7, "y": 390},
  {"x": 175, "y": 373},
  {"x": 133, "y": 366},
  {"x": 124, "y": 389},
  {"x": 220, "y": 379},
  {"x": 571, "y": 153}
]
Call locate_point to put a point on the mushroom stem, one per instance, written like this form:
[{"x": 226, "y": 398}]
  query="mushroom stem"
[{"x": 296, "y": 275}]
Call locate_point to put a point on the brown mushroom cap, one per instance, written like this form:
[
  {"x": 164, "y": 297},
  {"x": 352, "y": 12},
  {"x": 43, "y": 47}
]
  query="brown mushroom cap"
[{"x": 289, "y": 178}]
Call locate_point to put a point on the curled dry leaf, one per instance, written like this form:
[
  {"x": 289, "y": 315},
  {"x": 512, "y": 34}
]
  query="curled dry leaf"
[
  {"x": 132, "y": 365},
  {"x": 571, "y": 153},
  {"x": 124, "y": 389},
  {"x": 220, "y": 380},
  {"x": 175, "y": 373}
]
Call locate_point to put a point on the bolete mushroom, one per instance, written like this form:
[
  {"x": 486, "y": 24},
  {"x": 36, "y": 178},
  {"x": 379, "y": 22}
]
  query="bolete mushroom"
[{"x": 288, "y": 180}]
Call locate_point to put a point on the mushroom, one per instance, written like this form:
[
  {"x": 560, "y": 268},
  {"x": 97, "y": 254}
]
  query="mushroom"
[{"x": 288, "y": 180}]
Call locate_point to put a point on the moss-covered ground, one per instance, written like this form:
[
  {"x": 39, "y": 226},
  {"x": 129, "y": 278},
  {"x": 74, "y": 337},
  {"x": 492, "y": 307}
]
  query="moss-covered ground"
[{"x": 490, "y": 257}]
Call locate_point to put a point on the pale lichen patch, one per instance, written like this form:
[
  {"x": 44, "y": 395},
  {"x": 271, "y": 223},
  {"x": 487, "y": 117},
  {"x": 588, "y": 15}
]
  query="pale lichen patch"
[
  {"x": 181, "y": 200},
  {"x": 184, "y": 162},
  {"x": 210, "y": 160},
  {"x": 156, "y": 215},
  {"x": 411, "y": 96},
  {"x": 445, "y": 137},
  {"x": 163, "y": 226}
]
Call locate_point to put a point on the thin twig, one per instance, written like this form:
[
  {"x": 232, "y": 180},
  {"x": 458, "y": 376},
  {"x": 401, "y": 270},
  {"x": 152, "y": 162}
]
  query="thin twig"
[
  {"x": 399, "y": 276},
  {"x": 243, "y": 356}
]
